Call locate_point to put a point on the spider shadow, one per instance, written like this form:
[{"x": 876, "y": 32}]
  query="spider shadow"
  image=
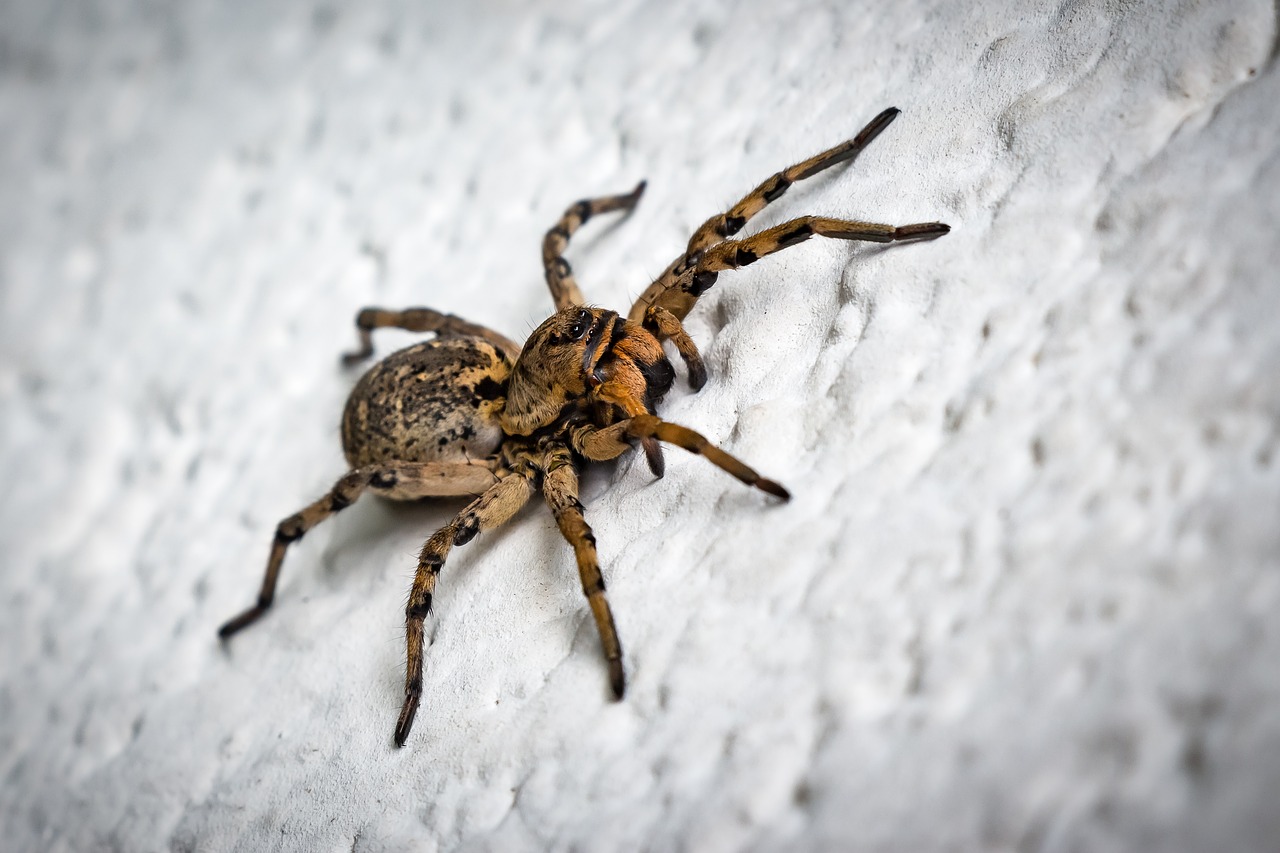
[
  {"x": 377, "y": 541},
  {"x": 387, "y": 529},
  {"x": 394, "y": 532}
]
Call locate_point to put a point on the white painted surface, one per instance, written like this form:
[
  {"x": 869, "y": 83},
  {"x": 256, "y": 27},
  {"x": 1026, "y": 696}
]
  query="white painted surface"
[{"x": 1024, "y": 597}]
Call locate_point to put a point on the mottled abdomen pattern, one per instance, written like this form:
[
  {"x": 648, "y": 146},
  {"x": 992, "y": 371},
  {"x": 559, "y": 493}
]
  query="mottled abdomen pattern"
[{"x": 437, "y": 401}]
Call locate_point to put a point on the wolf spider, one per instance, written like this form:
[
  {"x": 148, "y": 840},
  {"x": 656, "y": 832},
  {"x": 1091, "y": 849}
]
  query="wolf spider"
[{"x": 469, "y": 412}]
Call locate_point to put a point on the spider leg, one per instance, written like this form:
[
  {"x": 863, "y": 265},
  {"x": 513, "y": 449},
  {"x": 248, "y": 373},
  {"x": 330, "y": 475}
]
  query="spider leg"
[
  {"x": 651, "y": 426},
  {"x": 396, "y": 480},
  {"x": 732, "y": 254},
  {"x": 560, "y": 489},
  {"x": 666, "y": 325},
  {"x": 662, "y": 318},
  {"x": 620, "y": 396},
  {"x": 564, "y": 290},
  {"x": 421, "y": 320},
  {"x": 601, "y": 444},
  {"x": 495, "y": 507},
  {"x": 726, "y": 224}
]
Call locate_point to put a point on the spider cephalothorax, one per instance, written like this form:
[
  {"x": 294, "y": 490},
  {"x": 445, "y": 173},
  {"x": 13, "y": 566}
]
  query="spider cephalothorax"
[
  {"x": 471, "y": 413},
  {"x": 585, "y": 357}
]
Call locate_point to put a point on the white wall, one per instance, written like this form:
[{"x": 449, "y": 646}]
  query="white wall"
[{"x": 1024, "y": 596}]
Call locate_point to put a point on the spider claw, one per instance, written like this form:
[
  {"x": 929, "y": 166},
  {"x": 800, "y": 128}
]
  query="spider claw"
[
  {"x": 634, "y": 196},
  {"x": 617, "y": 679},
  {"x": 407, "y": 713},
  {"x": 921, "y": 231},
  {"x": 245, "y": 619},
  {"x": 653, "y": 454},
  {"x": 773, "y": 488},
  {"x": 876, "y": 126},
  {"x": 697, "y": 374}
]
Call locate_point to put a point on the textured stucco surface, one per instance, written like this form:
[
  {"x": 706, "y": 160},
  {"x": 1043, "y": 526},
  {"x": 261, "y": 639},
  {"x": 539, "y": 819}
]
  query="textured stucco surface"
[{"x": 1024, "y": 598}]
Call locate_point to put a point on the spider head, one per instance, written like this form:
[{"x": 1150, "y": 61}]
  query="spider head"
[{"x": 573, "y": 354}]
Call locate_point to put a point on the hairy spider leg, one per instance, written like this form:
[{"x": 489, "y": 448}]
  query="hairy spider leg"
[
  {"x": 733, "y": 254},
  {"x": 422, "y": 320},
  {"x": 495, "y": 507},
  {"x": 600, "y": 444},
  {"x": 730, "y": 222},
  {"x": 724, "y": 225},
  {"x": 667, "y": 326},
  {"x": 649, "y": 425},
  {"x": 564, "y": 289},
  {"x": 676, "y": 302},
  {"x": 560, "y": 490},
  {"x": 396, "y": 480},
  {"x": 670, "y": 298}
]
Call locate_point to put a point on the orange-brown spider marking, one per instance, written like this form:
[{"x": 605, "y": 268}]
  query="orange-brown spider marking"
[{"x": 470, "y": 413}]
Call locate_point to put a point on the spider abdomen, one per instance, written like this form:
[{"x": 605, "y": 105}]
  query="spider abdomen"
[{"x": 437, "y": 401}]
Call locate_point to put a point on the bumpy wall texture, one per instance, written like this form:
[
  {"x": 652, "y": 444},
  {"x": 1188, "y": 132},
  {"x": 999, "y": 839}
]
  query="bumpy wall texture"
[{"x": 1024, "y": 598}]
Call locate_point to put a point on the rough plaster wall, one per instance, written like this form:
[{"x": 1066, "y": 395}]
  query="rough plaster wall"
[{"x": 1024, "y": 596}]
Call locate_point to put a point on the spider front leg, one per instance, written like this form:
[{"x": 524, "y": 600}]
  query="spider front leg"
[
  {"x": 647, "y": 426},
  {"x": 666, "y": 302},
  {"x": 733, "y": 254},
  {"x": 601, "y": 444},
  {"x": 495, "y": 507},
  {"x": 397, "y": 480},
  {"x": 560, "y": 489},
  {"x": 564, "y": 289},
  {"x": 724, "y": 225},
  {"x": 663, "y": 317},
  {"x": 730, "y": 222},
  {"x": 421, "y": 320}
]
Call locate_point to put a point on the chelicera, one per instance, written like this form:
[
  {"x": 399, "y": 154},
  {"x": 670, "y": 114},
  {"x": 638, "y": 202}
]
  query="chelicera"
[{"x": 470, "y": 412}]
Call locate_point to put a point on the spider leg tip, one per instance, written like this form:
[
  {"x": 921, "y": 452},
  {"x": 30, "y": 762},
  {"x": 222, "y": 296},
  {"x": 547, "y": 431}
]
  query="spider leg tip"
[
  {"x": 232, "y": 626},
  {"x": 697, "y": 377},
  {"x": 405, "y": 723},
  {"x": 883, "y": 120},
  {"x": 618, "y": 682},
  {"x": 633, "y": 197},
  {"x": 922, "y": 231},
  {"x": 773, "y": 488},
  {"x": 653, "y": 455}
]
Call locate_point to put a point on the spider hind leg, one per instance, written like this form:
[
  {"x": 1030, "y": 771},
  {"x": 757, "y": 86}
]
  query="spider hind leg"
[
  {"x": 560, "y": 489},
  {"x": 495, "y": 507},
  {"x": 395, "y": 480},
  {"x": 420, "y": 320}
]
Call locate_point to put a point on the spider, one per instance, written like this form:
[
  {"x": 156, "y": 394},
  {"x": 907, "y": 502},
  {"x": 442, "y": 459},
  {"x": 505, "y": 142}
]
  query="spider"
[{"x": 469, "y": 412}]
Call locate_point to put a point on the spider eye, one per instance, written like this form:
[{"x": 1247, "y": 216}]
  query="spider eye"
[{"x": 580, "y": 325}]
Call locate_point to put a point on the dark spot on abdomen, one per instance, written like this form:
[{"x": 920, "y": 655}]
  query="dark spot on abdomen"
[{"x": 489, "y": 388}]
